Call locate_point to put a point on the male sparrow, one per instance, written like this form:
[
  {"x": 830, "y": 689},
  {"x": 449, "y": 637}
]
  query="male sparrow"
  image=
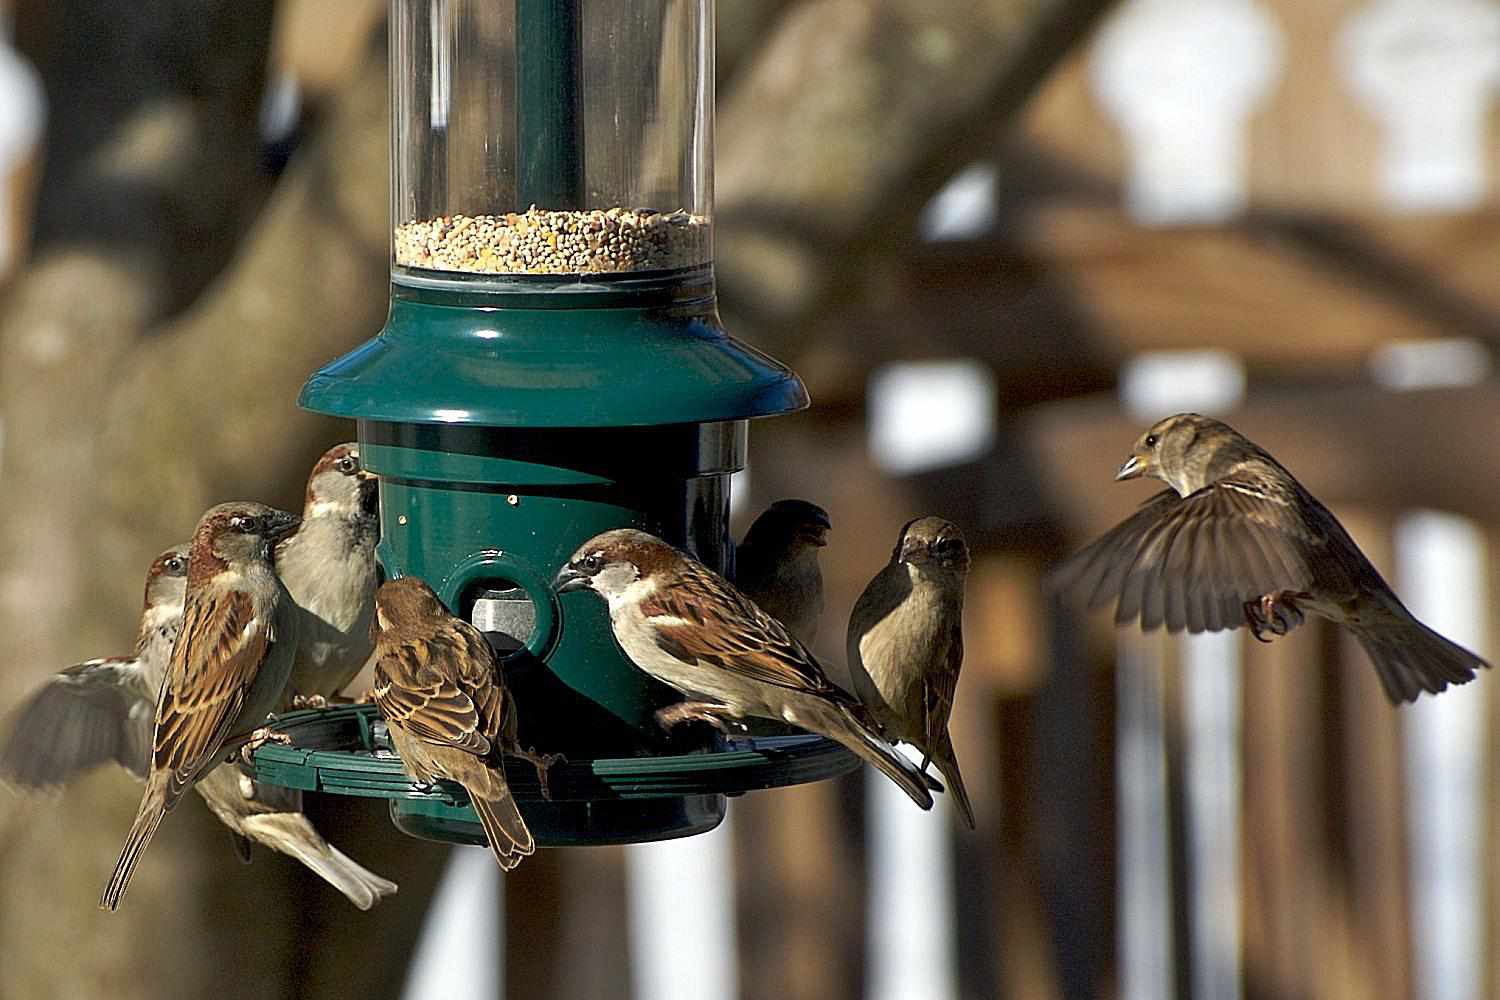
[
  {"x": 776, "y": 566},
  {"x": 1238, "y": 541},
  {"x": 441, "y": 691},
  {"x": 328, "y": 567},
  {"x": 906, "y": 644},
  {"x": 688, "y": 627},
  {"x": 100, "y": 711},
  {"x": 228, "y": 666}
]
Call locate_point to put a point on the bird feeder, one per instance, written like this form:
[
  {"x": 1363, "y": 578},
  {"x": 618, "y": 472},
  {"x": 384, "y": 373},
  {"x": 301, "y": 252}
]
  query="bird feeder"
[{"x": 553, "y": 366}]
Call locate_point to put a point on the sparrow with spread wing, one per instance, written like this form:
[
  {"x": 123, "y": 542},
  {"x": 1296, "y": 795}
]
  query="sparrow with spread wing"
[
  {"x": 688, "y": 627},
  {"x": 228, "y": 666},
  {"x": 776, "y": 566},
  {"x": 906, "y": 644},
  {"x": 100, "y": 711},
  {"x": 1238, "y": 541},
  {"x": 450, "y": 715}
]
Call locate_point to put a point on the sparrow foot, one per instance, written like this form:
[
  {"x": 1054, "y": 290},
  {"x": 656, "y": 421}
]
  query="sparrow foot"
[
  {"x": 309, "y": 701},
  {"x": 1275, "y": 613},
  {"x": 258, "y": 739},
  {"x": 693, "y": 711},
  {"x": 543, "y": 763}
]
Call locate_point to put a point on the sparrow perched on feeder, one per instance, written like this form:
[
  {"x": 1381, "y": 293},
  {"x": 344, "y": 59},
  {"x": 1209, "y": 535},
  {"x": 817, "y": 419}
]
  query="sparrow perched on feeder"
[
  {"x": 272, "y": 816},
  {"x": 103, "y": 711},
  {"x": 328, "y": 567},
  {"x": 100, "y": 711},
  {"x": 906, "y": 644},
  {"x": 228, "y": 666},
  {"x": 1238, "y": 541},
  {"x": 688, "y": 627},
  {"x": 776, "y": 566},
  {"x": 450, "y": 715}
]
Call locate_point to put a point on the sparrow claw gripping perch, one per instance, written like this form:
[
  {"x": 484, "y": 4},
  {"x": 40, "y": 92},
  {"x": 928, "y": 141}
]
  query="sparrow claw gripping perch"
[
  {"x": 309, "y": 701},
  {"x": 693, "y": 711},
  {"x": 259, "y": 738},
  {"x": 1275, "y": 613},
  {"x": 543, "y": 763}
]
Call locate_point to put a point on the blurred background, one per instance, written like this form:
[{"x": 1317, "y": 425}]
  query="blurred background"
[{"x": 997, "y": 238}]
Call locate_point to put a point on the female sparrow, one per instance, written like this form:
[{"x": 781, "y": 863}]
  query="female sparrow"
[
  {"x": 228, "y": 666},
  {"x": 439, "y": 687},
  {"x": 688, "y": 627},
  {"x": 776, "y": 566},
  {"x": 1238, "y": 541},
  {"x": 906, "y": 644}
]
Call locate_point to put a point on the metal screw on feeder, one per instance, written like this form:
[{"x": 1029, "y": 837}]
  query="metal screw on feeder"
[{"x": 553, "y": 366}]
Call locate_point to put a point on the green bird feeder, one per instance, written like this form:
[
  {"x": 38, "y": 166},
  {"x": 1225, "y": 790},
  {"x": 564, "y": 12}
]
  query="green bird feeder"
[{"x": 553, "y": 366}]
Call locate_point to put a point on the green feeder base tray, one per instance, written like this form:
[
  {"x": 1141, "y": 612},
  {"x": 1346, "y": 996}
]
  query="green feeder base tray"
[{"x": 346, "y": 751}]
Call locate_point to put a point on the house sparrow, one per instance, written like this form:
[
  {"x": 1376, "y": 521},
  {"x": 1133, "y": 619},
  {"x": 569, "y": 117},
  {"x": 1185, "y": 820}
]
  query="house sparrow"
[
  {"x": 688, "y": 627},
  {"x": 272, "y": 816},
  {"x": 228, "y": 666},
  {"x": 441, "y": 691},
  {"x": 100, "y": 711},
  {"x": 1238, "y": 541},
  {"x": 328, "y": 567},
  {"x": 776, "y": 566},
  {"x": 906, "y": 644}
]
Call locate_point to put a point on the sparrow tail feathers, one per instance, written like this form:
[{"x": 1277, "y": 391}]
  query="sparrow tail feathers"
[
  {"x": 147, "y": 819},
  {"x": 510, "y": 840},
  {"x": 848, "y": 730},
  {"x": 1411, "y": 658},
  {"x": 947, "y": 761},
  {"x": 293, "y": 835}
]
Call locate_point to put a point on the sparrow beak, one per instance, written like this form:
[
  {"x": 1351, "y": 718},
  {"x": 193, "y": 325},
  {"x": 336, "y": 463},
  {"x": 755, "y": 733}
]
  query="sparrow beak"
[
  {"x": 569, "y": 579},
  {"x": 280, "y": 524},
  {"x": 1132, "y": 469},
  {"x": 365, "y": 475}
]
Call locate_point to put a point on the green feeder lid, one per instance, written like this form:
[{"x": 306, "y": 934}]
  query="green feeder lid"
[
  {"x": 617, "y": 353},
  {"x": 346, "y": 751}
]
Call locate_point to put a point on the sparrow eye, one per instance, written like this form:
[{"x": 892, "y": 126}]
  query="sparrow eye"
[
  {"x": 1151, "y": 440},
  {"x": 239, "y": 523},
  {"x": 174, "y": 565},
  {"x": 347, "y": 465},
  {"x": 593, "y": 563}
]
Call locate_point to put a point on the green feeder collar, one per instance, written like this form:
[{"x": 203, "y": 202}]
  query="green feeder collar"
[
  {"x": 542, "y": 353},
  {"x": 346, "y": 751}
]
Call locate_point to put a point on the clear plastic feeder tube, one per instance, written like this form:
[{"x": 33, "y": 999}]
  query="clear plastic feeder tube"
[{"x": 551, "y": 136}]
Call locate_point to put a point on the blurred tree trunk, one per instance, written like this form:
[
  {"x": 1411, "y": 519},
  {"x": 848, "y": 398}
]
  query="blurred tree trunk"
[{"x": 118, "y": 440}]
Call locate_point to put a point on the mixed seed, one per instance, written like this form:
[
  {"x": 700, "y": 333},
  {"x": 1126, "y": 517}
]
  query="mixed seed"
[{"x": 545, "y": 242}]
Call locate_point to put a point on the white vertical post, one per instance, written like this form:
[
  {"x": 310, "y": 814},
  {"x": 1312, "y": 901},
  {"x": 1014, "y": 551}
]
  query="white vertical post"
[
  {"x": 1143, "y": 834},
  {"x": 460, "y": 953},
  {"x": 1440, "y": 562},
  {"x": 911, "y": 943},
  {"x": 680, "y": 900},
  {"x": 1211, "y": 678}
]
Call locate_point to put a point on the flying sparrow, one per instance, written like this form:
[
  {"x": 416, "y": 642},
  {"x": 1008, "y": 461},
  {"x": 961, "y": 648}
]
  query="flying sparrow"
[
  {"x": 328, "y": 567},
  {"x": 450, "y": 715},
  {"x": 906, "y": 644},
  {"x": 776, "y": 566},
  {"x": 228, "y": 666},
  {"x": 1238, "y": 541},
  {"x": 103, "y": 710},
  {"x": 688, "y": 627}
]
